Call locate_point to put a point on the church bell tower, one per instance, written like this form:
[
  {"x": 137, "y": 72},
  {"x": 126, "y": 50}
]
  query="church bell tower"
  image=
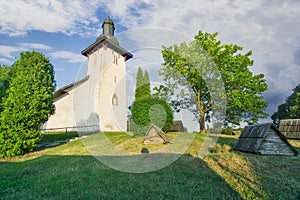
[{"x": 107, "y": 75}]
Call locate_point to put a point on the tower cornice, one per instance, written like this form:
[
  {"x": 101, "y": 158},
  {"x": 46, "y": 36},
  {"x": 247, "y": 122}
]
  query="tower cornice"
[{"x": 104, "y": 41}]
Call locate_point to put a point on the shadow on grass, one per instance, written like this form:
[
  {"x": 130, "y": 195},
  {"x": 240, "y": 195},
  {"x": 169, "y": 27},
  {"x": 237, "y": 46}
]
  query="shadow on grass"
[
  {"x": 83, "y": 177},
  {"x": 228, "y": 140},
  {"x": 279, "y": 175},
  {"x": 53, "y": 139},
  {"x": 57, "y": 136}
]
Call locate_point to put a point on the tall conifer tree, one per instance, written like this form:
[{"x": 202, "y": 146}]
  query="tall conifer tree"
[
  {"x": 142, "y": 90},
  {"x": 146, "y": 86}
]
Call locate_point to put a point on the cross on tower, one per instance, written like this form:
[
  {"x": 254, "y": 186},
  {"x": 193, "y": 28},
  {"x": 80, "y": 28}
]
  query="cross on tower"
[{"x": 108, "y": 13}]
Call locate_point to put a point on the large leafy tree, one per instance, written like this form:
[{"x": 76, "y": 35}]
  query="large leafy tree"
[
  {"x": 191, "y": 67},
  {"x": 27, "y": 105},
  {"x": 290, "y": 109},
  {"x": 5, "y": 76}
]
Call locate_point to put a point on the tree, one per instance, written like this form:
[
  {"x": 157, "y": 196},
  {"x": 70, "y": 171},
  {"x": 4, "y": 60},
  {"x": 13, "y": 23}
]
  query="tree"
[
  {"x": 146, "y": 109},
  {"x": 142, "y": 85},
  {"x": 5, "y": 76},
  {"x": 290, "y": 109},
  {"x": 149, "y": 111},
  {"x": 189, "y": 67},
  {"x": 28, "y": 104},
  {"x": 146, "y": 86},
  {"x": 282, "y": 113},
  {"x": 293, "y": 103}
]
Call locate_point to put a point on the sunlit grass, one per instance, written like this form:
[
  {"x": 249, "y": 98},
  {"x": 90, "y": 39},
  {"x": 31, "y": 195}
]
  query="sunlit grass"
[{"x": 68, "y": 171}]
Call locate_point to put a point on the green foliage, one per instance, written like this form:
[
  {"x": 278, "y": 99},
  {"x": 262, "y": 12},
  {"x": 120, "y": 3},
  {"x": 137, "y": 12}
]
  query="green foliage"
[
  {"x": 150, "y": 111},
  {"x": 142, "y": 85},
  {"x": 188, "y": 67},
  {"x": 27, "y": 105},
  {"x": 5, "y": 76},
  {"x": 290, "y": 109},
  {"x": 146, "y": 86},
  {"x": 227, "y": 131}
]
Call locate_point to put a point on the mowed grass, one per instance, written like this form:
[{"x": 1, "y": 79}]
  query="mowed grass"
[
  {"x": 69, "y": 172},
  {"x": 57, "y": 136}
]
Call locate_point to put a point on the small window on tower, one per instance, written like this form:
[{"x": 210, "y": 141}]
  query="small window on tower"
[
  {"x": 115, "y": 59},
  {"x": 115, "y": 79},
  {"x": 115, "y": 100}
]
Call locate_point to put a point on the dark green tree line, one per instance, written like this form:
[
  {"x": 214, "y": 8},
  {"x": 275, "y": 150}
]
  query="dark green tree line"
[{"x": 290, "y": 109}]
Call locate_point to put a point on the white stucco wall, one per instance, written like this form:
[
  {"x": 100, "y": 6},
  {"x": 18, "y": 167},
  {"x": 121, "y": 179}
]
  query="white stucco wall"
[
  {"x": 91, "y": 102},
  {"x": 111, "y": 82},
  {"x": 63, "y": 116}
]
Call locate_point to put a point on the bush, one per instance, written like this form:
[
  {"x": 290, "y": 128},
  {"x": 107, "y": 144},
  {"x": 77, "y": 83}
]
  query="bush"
[
  {"x": 227, "y": 131},
  {"x": 150, "y": 111}
]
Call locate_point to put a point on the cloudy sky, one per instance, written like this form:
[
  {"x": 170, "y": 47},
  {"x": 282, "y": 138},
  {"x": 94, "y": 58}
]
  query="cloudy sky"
[{"x": 62, "y": 29}]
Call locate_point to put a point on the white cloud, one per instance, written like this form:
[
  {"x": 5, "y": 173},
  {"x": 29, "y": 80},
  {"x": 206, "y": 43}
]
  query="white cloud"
[
  {"x": 67, "y": 56},
  {"x": 4, "y": 61},
  {"x": 8, "y": 53},
  {"x": 17, "y": 17},
  {"x": 270, "y": 28},
  {"x": 35, "y": 46}
]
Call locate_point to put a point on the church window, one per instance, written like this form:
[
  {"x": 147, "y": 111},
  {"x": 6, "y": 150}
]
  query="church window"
[
  {"x": 115, "y": 100},
  {"x": 115, "y": 59},
  {"x": 115, "y": 79}
]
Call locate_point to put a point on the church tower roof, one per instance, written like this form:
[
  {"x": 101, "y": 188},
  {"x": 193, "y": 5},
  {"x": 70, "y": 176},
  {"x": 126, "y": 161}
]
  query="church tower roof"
[
  {"x": 108, "y": 39},
  {"x": 108, "y": 29}
]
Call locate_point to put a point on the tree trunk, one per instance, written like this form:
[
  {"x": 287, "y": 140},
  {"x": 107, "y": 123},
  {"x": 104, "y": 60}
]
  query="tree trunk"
[
  {"x": 202, "y": 124},
  {"x": 202, "y": 113},
  {"x": 201, "y": 119}
]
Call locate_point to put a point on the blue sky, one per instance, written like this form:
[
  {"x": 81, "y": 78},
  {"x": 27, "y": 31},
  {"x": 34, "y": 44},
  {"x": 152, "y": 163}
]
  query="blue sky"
[{"x": 62, "y": 29}]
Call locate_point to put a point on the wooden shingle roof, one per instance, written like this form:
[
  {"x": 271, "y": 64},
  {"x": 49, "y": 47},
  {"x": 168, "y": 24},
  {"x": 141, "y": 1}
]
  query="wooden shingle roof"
[
  {"x": 290, "y": 128},
  {"x": 264, "y": 139},
  {"x": 177, "y": 126}
]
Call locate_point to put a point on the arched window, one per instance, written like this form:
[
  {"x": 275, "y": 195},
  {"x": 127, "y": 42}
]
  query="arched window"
[{"x": 115, "y": 100}]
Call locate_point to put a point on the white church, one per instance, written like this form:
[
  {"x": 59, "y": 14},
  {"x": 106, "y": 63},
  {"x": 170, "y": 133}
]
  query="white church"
[{"x": 98, "y": 101}]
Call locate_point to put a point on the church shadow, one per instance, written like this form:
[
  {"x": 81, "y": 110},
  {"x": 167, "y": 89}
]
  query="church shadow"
[{"x": 84, "y": 177}]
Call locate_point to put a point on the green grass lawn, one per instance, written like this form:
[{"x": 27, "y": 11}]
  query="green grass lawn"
[
  {"x": 57, "y": 136},
  {"x": 68, "y": 171}
]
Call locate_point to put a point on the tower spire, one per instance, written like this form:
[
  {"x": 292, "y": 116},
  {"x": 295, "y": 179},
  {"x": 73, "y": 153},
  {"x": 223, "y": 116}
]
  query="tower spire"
[
  {"x": 108, "y": 14},
  {"x": 108, "y": 28}
]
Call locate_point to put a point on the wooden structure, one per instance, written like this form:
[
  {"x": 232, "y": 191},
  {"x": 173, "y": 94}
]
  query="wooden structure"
[
  {"x": 290, "y": 128},
  {"x": 264, "y": 139},
  {"x": 155, "y": 135},
  {"x": 177, "y": 126}
]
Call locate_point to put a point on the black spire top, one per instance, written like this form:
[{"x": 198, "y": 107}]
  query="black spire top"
[{"x": 108, "y": 28}]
